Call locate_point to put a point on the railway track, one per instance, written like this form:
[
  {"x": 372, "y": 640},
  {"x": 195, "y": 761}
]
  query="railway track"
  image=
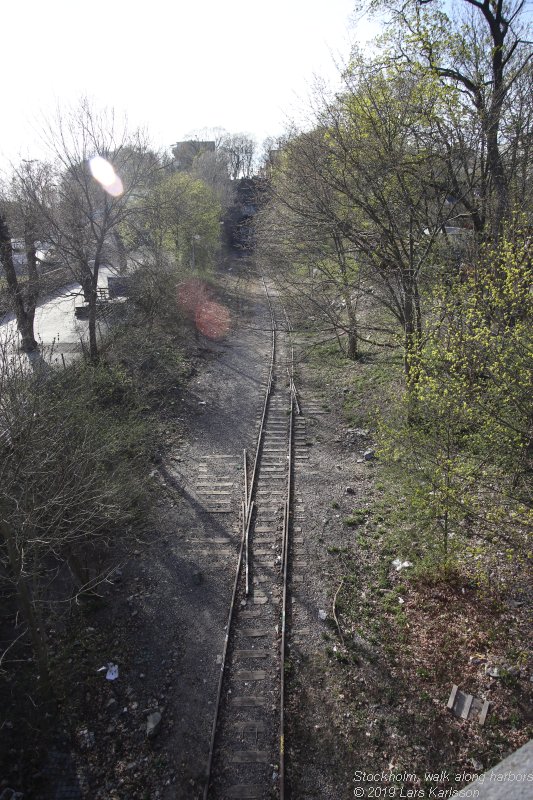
[{"x": 247, "y": 758}]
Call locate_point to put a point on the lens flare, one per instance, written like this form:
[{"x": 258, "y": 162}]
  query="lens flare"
[
  {"x": 104, "y": 172},
  {"x": 211, "y": 319}
]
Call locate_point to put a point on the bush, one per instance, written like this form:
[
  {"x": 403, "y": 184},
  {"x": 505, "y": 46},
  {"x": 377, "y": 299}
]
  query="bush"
[
  {"x": 464, "y": 429},
  {"x": 72, "y": 473}
]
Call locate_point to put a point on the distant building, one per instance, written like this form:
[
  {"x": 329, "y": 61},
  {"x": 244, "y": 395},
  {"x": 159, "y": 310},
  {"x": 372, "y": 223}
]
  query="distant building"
[
  {"x": 271, "y": 161},
  {"x": 185, "y": 152}
]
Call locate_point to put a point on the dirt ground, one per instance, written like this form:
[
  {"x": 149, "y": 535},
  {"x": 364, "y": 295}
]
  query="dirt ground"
[
  {"x": 369, "y": 684},
  {"x": 367, "y": 689}
]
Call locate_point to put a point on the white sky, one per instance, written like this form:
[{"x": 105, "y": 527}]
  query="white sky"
[{"x": 172, "y": 66}]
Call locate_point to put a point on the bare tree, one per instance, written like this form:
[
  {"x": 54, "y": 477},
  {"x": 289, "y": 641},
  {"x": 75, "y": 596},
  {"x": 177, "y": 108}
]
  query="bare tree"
[
  {"x": 240, "y": 149},
  {"x": 482, "y": 54},
  {"x": 100, "y": 170},
  {"x": 213, "y": 169},
  {"x": 300, "y": 241},
  {"x": 20, "y": 215},
  {"x": 24, "y": 298},
  {"x": 371, "y": 180}
]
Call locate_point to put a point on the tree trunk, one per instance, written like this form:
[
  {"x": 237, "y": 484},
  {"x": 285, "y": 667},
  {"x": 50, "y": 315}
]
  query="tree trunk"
[
  {"x": 346, "y": 291},
  {"x": 353, "y": 344},
  {"x": 93, "y": 300},
  {"x": 121, "y": 252},
  {"x": 353, "y": 350},
  {"x": 24, "y": 315},
  {"x": 93, "y": 342},
  {"x": 496, "y": 167},
  {"x": 412, "y": 328},
  {"x": 33, "y": 276}
]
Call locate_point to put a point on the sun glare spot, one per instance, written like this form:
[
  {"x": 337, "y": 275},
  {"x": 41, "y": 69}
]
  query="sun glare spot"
[
  {"x": 104, "y": 172},
  {"x": 210, "y": 318}
]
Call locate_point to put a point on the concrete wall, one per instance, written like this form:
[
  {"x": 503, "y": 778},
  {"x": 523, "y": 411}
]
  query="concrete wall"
[{"x": 512, "y": 779}]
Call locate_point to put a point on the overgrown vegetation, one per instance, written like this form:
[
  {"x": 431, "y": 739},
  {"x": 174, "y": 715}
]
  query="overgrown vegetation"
[
  {"x": 400, "y": 224},
  {"x": 411, "y": 619},
  {"x": 76, "y": 443},
  {"x": 465, "y": 430},
  {"x": 76, "y": 449}
]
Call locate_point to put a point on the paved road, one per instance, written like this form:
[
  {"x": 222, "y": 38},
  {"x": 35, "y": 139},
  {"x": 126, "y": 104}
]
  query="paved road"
[{"x": 56, "y": 328}]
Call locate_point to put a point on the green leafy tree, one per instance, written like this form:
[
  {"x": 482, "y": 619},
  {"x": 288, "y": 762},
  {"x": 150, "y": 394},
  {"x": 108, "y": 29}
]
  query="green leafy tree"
[
  {"x": 184, "y": 219},
  {"x": 373, "y": 180},
  {"x": 470, "y": 437},
  {"x": 300, "y": 240},
  {"x": 479, "y": 48}
]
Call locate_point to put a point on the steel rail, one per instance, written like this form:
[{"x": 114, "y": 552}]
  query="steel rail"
[
  {"x": 267, "y": 396},
  {"x": 284, "y": 608},
  {"x": 247, "y": 509},
  {"x": 223, "y": 662},
  {"x": 290, "y": 372}
]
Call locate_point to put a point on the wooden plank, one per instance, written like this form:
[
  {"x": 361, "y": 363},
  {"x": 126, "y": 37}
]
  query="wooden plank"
[
  {"x": 250, "y": 702},
  {"x": 209, "y": 493},
  {"x": 466, "y": 709},
  {"x": 256, "y": 633},
  {"x": 250, "y": 675},
  {"x": 249, "y": 757},
  {"x": 451, "y": 699},
  {"x": 484, "y": 711},
  {"x": 251, "y": 653},
  {"x": 215, "y": 484},
  {"x": 254, "y": 726}
]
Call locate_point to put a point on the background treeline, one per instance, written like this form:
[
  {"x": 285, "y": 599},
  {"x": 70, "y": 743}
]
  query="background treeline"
[
  {"x": 77, "y": 441},
  {"x": 400, "y": 219}
]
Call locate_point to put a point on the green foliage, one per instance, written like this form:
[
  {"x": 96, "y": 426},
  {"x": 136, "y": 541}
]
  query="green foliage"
[
  {"x": 465, "y": 426},
  {"x": 185, "y": 220}
]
